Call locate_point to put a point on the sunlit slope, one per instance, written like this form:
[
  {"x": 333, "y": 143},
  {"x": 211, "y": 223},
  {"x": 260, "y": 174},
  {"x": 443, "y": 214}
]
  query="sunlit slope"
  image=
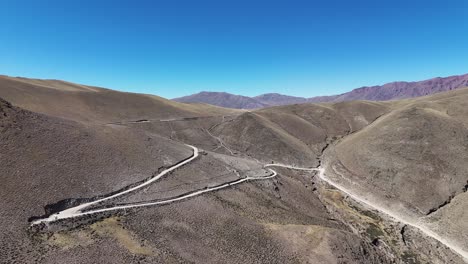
[
  {"x": 413, "y": 161},
  {"x": 296, "y": 134},
  {"x": 93, "y": 104},
  {"x": 417, "y": 154}
]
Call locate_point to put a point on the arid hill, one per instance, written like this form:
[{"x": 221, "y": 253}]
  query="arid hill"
[
  {"x": 413, "y": 160},
  {"x": 296, "y": 134},
  {"x": 93, "y": 104}
]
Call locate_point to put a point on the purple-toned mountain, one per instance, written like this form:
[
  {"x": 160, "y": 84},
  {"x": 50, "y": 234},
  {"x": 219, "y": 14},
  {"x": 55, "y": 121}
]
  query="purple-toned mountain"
[
  {"x": 279, "y": 99},
  {"x": 389, "y": 91},
  {"x": 402, "y": 90},
  {"x": 222, "y": 99}
]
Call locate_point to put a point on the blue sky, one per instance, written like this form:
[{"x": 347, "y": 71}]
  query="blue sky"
[{"x": 174, "y": 48}]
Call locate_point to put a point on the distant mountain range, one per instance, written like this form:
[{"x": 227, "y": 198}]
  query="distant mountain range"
[{"x": 389, "y": 91}]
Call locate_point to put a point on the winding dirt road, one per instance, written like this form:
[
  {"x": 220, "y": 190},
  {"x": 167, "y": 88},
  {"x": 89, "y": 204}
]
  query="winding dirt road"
[
  {"x": 78, "y": 211},
  {"x": 183, "y": 197}
]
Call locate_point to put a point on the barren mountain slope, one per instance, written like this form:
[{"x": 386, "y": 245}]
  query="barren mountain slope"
[
  {"x": 295, "y": 134},
  {"x": 426, "y": 143},
  {"x": 92, "y": 104},
  {"x": 412, "y": 160}
]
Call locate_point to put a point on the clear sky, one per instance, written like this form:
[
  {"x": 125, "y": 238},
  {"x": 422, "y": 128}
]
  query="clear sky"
[{"x": 173, "y": 48}]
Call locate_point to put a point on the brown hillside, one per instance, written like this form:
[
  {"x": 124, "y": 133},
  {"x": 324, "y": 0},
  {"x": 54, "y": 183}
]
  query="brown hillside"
[{"x": 92, "y": 104}]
